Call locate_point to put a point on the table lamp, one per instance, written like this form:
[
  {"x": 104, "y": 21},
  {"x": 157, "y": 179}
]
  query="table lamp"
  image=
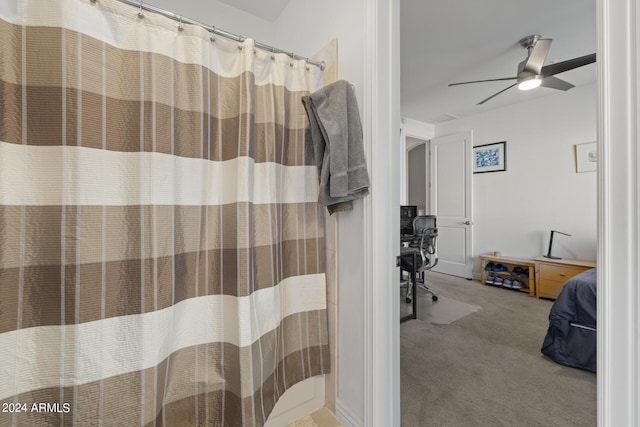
[{"x": 548, "y": 255}]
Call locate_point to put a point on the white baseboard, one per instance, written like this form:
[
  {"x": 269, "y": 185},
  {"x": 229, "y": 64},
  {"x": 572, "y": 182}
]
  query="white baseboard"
[{"x": 346, "y": 416}]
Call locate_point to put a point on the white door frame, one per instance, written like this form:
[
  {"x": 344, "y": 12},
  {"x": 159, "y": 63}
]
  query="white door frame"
[
  {"x": 381, "y": 124},
  {"x": 618, "y": 222},
  {"x": 619, "y": 228}
]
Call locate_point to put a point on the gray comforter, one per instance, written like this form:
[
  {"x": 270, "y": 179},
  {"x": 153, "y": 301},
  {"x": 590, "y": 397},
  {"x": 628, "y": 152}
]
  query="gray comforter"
[{"x": 571, "y": 337}]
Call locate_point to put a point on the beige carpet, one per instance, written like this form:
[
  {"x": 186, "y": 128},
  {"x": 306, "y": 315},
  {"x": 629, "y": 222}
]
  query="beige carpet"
[{"x": 485, "y": 368}]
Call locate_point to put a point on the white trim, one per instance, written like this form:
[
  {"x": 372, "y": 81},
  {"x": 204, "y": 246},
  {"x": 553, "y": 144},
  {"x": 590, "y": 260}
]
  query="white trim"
[
  {"x": 370, "y": 98},
  {"x": 348, "y": 418},
  {"x": 417, "y": 129},
  {"x": 381, "y": 127},
  {"x": 404, "y": 168},
  {"x": 618, "y": 207}
]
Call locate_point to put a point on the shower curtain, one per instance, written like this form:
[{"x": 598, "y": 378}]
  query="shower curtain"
[{"x": 161, "y": 248}]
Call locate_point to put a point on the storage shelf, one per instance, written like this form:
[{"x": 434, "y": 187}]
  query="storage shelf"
[{"x": 528, "y": 281}]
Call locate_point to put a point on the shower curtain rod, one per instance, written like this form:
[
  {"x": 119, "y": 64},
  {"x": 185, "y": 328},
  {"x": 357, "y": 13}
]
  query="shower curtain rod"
[{"x": 214, "y": 30}]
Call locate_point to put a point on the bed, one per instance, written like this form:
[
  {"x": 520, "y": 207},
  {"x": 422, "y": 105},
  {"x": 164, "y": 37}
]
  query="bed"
[{"x": 571, "y": 337}]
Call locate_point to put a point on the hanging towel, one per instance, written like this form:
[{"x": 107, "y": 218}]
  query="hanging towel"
[{"x": 338, "y": 151}]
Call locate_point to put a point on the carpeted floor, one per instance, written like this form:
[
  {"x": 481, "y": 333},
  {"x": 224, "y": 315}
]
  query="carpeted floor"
[{"x": 484, "y": 368}]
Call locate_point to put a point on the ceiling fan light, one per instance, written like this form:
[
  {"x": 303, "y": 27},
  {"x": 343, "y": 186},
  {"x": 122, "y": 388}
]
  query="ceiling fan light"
[{"x": 530, "y": 82}]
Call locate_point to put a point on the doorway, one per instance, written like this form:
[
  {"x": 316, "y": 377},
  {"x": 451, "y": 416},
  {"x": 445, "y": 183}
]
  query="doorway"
[
  {"x": 417, "y": 175},
  {"x": 618, "y": 225}
]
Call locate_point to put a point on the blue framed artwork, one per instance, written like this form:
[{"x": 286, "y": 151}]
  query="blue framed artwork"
[{"x": 490, "y": 157}]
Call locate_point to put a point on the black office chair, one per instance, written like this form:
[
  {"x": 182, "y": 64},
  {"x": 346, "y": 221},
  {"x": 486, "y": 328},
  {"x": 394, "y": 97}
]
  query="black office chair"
[{"x": 425, "y": 233}]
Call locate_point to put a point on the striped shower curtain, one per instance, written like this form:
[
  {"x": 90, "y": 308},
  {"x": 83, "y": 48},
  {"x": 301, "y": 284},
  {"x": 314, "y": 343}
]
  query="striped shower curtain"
[{"x": 161, "y": 248}]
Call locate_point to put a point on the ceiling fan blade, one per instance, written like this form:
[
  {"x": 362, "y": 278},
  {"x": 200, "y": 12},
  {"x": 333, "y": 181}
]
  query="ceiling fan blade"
[
  {"x": 536, "y": 58},
  {"x": 482, "y": 81},
  {"x": 556, "y": 83},
  {"x": 496, "y": 94},
  {"x": 561, "y": 67}
]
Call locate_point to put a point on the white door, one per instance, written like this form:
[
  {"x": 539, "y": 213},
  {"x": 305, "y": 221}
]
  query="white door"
[{"x": 452, "y": 202}]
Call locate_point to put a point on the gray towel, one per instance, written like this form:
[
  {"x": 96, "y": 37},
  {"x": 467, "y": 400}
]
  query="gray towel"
[{"x": 338, "y": 152}]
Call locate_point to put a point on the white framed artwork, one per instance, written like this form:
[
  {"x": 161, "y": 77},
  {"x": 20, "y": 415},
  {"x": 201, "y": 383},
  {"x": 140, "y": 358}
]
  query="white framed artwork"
[{"x": 586, "y": 157}]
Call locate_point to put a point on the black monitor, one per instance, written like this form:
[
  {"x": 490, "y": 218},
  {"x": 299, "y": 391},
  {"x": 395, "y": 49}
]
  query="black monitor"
[{"x": 407, "y": 214}]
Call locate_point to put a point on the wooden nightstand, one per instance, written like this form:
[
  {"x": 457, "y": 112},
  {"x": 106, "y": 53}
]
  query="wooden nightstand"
[{"x": 552, "y": 273}]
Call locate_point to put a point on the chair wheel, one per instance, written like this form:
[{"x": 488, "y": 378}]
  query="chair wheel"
[
  {"x": 407, "y": 300},
  {"x": 434, "y": 298}
]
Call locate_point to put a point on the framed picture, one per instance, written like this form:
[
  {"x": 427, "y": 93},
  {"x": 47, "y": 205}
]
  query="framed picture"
[
  {"x": 490, "y": 157},
  {"x": 586, "y": 157}
]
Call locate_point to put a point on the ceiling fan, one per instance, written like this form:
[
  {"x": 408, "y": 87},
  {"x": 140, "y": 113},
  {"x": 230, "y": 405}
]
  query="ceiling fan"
[{"x": 532, "y": 73}]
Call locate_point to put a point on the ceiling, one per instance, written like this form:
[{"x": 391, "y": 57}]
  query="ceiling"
[
  {"x": 446, "y": 41},
  {"x": 460, "y": 40}
]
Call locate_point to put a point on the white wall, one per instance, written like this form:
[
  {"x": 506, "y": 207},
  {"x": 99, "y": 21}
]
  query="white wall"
[
  {"x": 308, "y": 24},
  {"x": 305, "y": 26},
  {"x": 221, "y": 15},
  {"x": 540, "y": 190}
]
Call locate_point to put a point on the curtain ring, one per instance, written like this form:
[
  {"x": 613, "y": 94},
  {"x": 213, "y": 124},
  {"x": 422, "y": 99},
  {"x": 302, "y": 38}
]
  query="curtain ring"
[
  {"x": 140, "y": 13},
  {"x": 180, "y": 26},
  {"x": 213, "y": 34}
]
